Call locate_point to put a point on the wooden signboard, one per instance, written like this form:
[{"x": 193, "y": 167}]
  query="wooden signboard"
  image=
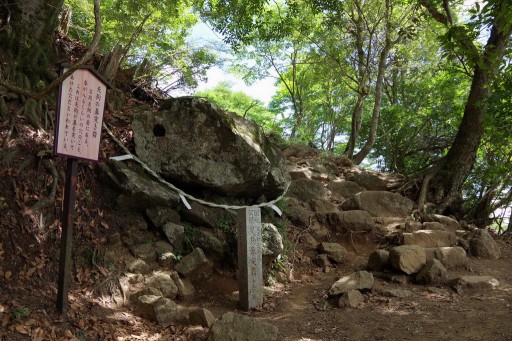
[
  {"x": 78, "y": 132},
  {"x": 80, "y": 115}
]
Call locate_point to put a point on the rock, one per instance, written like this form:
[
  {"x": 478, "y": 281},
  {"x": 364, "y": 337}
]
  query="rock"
[
  {"x": 430, "y": 238},
  {"x": 319, "y": 173},
  {"x": 370, "y": 181},
  {"x": 378, "y": 260},
  {"x": 334, "y": 251},
  {"x": 474, "y": 283},
  {"x": 212, "y": 241},
  {"x": 161, "y": 215},
  {"x": 138, "y": 191},
  {"x": 308, "y": 240},
  {"x": 431, "y": 253},
  {"x": 356, "y": 281},
  {"x": 165, "y": 311},
  {"x": 450, "y": 224},
  {"x": 483, "y": 245},
  {"x": 156, "y": 308},
  {"x": 195, "y": 333},
  {"x": 322, "y": 261},
  {"x": 322, "y": 206},
  {"x": 380, "y": 204},
  {"x": 235, "y": 327},
  {"x": 185, "y": 287},
  {"x": 350, "y": 299},
  {"x": 207, "y": 216},
  {"x": 307, "y": 190},
  {"x": 272, "y": 241},
  {"x": 296, "y": 174},
  {"x": 408, "y": 258},
  {"x": 191, "y": 135},
  {"x": 433, "y": 272},
  {"x": 138, "y": 266},
  {"x": 433, "y": 225},
  {"x": 202, "y": 317},
  {"x": 164, "y": 283},
  {"x": 144, "y": 292},
  {"x": 318, "y": 229},
  {"x": 165, "y": 254},
  {"x": 144, "y": 251},
  {"x": 355, "y": 221},
  {"x": 297, "y": 212},
  {"x": 398, "y": 293},
  {"x": 174, "y": 234},
  {"x": 412, "y": 226},
  {"x": 341, "y": 190},
  {"x": 194, "y": 264},
  {"x": 452, "y": 257}
]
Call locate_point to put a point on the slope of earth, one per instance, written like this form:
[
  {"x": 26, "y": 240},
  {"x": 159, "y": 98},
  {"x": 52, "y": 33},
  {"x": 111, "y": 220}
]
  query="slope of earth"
[{"x": 299, "y": 306}]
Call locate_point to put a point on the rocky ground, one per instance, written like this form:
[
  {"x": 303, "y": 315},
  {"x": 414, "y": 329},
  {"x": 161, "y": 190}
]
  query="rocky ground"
[{"x": 131, "y": 281}]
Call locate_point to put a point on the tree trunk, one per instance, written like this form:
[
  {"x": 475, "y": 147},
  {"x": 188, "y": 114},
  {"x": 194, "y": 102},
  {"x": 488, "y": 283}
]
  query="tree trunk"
[
  {"x": 362, "y": 93},
  {"x": 357, "y": 119},
  {"x": 361, "y": 155},
  {"x": 28, "y": 42},
  {"x": 455, "y": 167}
]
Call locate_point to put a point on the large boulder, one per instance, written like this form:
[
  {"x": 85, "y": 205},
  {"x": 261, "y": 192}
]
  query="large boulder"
[
  {"x": 452, "y": 257},
  {"x": 194, "y": 264},
  {"x": 307, "y": 190},
  {"x": 334, "y": 251},
  {"x": 358, "y": 280},
  {"x": 355, "y": 221},
  {"x": 137, "y": 190},
  {"x": 380, "y": 204},
  {"x": 370, "y": 181},
  {"x": 474, "y": 283},
  {"x": 430, "y": 238},
  {"x": 483, "y": 245},
  {"x": 408, "y": 258},
  {"x": 342, "y": 190},
  {"x": 449, "y": 223},
  {"x": 156, "y": 308},
  {"x": 193, "y": 143},
  {"x": 378, "y": 260},
  {"x": 433, "y": 272}
]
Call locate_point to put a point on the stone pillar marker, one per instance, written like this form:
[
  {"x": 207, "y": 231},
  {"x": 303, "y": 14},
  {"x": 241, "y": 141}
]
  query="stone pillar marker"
[{"x": 250, "y": 268}]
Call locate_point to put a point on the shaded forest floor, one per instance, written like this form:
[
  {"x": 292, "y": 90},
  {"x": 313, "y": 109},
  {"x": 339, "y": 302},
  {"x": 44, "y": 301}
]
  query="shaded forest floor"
[{"x": 29, "y": 244}]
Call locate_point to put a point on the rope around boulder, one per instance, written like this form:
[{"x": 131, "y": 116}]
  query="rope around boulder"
[{"x": 186, "y": 195}]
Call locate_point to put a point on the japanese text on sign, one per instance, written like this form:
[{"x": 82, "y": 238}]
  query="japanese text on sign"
[{"x": 81, "y": 105}]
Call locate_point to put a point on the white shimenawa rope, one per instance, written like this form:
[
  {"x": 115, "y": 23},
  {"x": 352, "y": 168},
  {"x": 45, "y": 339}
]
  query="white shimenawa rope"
[{"x": 188, "y": 196}]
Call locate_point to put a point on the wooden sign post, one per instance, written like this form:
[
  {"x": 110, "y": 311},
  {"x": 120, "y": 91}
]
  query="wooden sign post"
[
  {"x": 250, "y": 269},
  {"x": 78, "y": 132}
]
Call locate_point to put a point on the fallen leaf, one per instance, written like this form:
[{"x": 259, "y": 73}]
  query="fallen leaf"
[
  {"x": 8, "y": 274},
  {"x": 31, "y": 271},
  {"x": 105, "y": 225},
  {"x": 38, "y": 334},
  {"x": 5, "y": 320},
  {"x": 30, "y": 322},
  {"x": 21, "y": 329}
]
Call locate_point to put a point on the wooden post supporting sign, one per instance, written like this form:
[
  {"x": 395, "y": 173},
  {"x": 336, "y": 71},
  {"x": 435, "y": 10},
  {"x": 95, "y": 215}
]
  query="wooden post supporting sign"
[
  {"x": 78, "y": 132},
  {"x": 66, "y": 241},
  {"x": 250, "y": 269}
]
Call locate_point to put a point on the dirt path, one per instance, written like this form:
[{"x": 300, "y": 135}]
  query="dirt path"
[{"x": 429, "y": 314}]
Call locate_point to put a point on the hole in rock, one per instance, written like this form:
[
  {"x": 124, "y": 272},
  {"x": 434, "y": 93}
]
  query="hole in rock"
[{"x": 159, "y": 130}]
